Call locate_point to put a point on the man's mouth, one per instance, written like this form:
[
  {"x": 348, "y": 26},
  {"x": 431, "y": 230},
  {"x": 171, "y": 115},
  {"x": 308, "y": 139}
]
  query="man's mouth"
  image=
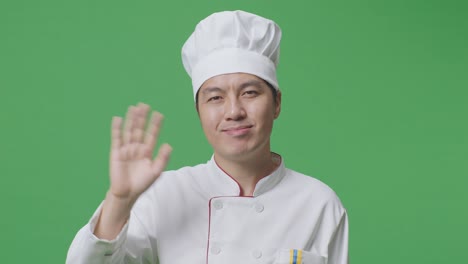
[{"x": 237, "y": 130}]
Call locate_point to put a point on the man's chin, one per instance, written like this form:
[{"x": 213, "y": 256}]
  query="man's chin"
[{"x": 240, "y": 154}]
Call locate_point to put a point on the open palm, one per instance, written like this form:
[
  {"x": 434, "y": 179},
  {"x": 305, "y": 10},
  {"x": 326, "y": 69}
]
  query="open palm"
[{"x": 132, "y": 167}]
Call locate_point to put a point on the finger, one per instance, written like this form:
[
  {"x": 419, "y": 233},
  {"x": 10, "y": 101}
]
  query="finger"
[
  {"x": 129, "y": 120},
  {"x": 141, "y": 111},
  {"x": 132, "y": 151},
  {"x": 152, "y": 132},
  {"x": 161, "y": 160},
  {"x": 143, "y": 106},
  {"x": 124, "y": 152},
  {"x": 144, "y": 152},
  {"x": 116, "y": 140}
]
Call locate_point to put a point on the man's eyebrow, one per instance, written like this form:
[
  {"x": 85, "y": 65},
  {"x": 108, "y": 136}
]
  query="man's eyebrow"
[
  {"x": 255, "y": 83},
  {"x": 244, "y": 85},
  {"x": 211, "y": 89}
]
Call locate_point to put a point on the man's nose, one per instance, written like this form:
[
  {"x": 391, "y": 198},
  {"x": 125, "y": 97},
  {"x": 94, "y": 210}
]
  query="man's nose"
[{"x": 234, "y": 110}]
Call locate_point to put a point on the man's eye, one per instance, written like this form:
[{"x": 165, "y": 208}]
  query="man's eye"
[
  {"x": 251, "y": 93},
  {"x": 214, "y": 98}
]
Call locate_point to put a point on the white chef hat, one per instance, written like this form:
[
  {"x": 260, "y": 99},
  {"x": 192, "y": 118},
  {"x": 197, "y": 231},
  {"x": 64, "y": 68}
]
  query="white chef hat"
[{"x": 231, "y": 42}]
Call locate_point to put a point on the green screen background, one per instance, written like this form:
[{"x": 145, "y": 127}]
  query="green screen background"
[{"x": 375, "y": 104}]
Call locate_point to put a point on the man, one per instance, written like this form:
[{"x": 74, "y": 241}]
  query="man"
[{"x": 242, "y": 206}]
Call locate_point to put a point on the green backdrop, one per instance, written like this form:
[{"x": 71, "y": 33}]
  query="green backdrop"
[{"x": 375, "y": 104}]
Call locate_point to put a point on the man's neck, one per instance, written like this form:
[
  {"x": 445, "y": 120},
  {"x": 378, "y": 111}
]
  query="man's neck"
[{"x": 248, "y": 172}]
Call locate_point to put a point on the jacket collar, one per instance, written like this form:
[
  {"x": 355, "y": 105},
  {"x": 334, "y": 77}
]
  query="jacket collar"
[{"x": 219, "y": 183}]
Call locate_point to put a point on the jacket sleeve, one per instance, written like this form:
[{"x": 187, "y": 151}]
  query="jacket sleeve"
[
  {"x": 132, "y": 245},
  {"x": 338, "y": 246}
]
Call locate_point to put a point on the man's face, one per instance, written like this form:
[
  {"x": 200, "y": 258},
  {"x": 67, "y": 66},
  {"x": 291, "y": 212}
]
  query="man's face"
[{"x": 237, "y": 112}]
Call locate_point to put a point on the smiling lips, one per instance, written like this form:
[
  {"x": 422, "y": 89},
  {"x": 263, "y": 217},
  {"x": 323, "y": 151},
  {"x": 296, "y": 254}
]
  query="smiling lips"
[{"x": 237, "y": 130}]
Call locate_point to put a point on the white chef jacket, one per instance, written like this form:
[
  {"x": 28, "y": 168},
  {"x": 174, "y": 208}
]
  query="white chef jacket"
[{"x": 195, "y": 215}]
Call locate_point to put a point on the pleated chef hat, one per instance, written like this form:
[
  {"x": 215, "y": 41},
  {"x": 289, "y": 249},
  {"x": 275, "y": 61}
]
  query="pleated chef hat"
[{"x": 232, "y": 42}]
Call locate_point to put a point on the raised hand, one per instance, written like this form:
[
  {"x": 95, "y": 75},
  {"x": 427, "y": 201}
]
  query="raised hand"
[{"x": 132, "y": 167}]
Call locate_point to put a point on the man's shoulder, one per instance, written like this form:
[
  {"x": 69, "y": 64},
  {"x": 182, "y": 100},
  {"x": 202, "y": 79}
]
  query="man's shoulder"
[
  {"x": 184, "y": 175},
  {"x": 181, "y": 181},
  {"x": 306, "y": 180},
  {"x": 186, "y": 171},
  {"x": 310, "y": 186}
]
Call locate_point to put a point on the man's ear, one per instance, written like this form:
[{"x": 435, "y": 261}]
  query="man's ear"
[
  {"x": 278, "y": 104},
  {"x": 196, "y": 103}
]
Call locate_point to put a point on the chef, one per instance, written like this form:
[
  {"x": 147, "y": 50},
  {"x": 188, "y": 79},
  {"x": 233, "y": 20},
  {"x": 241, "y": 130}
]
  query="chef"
[{"x": 243, "y": 205}]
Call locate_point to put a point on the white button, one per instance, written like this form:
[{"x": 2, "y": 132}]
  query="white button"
[
  {"x": 218, "y": 205},
  {"x": 215, "y": 250},
  {"x": 259, "y": 208},
  {"x": 257, "y": 254}
]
